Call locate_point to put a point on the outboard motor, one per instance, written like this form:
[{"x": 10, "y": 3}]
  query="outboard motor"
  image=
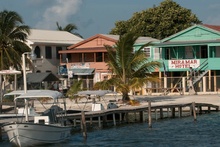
[{"x": 52, "y": 112}]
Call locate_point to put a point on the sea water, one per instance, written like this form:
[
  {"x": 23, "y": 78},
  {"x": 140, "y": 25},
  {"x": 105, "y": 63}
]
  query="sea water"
[{"x": 178, "y": 132}]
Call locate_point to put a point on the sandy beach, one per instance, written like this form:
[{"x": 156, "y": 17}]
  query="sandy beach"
[{"x": 84, "y": 104}]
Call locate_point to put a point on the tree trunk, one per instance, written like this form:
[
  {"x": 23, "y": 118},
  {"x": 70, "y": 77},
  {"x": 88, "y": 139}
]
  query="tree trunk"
[
  {"x": 1, "y": 94},
  {"x": 125, "y": 97}
]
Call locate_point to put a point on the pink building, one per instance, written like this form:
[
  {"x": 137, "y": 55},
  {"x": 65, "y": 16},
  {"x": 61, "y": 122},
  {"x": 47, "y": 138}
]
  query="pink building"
[{"x": 87, "y": 59}]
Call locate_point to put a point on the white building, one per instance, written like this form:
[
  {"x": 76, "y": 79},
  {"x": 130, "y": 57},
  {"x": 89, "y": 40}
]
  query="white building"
[{"x": 46, "y": 44}]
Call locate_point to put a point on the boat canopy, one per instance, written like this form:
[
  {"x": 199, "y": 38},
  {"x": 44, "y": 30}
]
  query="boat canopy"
[
  {"x": 33, "y": 94},
  {"x": 94, "y": 92}
]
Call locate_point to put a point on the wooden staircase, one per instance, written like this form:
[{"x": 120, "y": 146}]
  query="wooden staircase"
[{"x": 199, "y": 73}]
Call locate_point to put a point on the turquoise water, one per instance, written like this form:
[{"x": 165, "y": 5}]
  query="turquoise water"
[{"x": 178, "y": 132}]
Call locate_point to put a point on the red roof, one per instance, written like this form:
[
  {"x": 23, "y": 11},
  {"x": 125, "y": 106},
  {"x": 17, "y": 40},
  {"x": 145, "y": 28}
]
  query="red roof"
[{"x": 214, "y": 27}]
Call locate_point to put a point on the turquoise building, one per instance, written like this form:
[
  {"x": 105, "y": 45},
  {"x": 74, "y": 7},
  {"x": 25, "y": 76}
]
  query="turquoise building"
[{"x": 197, "y": 47}]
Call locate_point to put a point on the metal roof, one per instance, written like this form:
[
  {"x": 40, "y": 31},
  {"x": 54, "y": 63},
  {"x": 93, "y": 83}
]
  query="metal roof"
[
  {"x": 185, "y": 43},
  {"x": 139, "y": 40},
  {"x": 53, "y": 36},
  {"x": 145, "y": 40},
  {"x": 214, "y": 27}
]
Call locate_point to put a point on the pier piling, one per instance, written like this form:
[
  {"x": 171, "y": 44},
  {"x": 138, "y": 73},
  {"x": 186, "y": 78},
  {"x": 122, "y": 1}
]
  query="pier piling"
[
  {"x": 83, "y": 125},
  {"x": 129, "y": 114},
  {"x": 194, "y": 111},
  {"x": 149, "y": 115}
]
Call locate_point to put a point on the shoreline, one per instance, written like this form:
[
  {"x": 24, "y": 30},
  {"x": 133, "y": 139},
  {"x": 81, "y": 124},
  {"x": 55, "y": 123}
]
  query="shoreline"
[
  {"x": 84, "y": 104},
  {"x": 143, "y": 99}
]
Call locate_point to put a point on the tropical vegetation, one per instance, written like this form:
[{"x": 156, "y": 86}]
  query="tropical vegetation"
[
  {"x": 72, "y": 91},
  {"x": 158, "y": 22},
  {"x": 69, "y": 28},
  {"x": 13, "y": 34},
  {"x": 130, "y": 69}
]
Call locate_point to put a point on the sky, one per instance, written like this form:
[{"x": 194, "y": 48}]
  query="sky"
[{"x": 97, "y": 16}]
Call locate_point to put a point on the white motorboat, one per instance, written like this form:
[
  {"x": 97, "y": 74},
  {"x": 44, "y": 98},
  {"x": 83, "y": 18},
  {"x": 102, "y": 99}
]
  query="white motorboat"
[
  {"x": 44, "y": 129},
  {"x": 106, "y": 103},
  {"x": 93, "y": 94}
]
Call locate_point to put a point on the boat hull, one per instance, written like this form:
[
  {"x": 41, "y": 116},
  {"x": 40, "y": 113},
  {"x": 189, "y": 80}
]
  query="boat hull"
[{"x": 31, "y": 134}]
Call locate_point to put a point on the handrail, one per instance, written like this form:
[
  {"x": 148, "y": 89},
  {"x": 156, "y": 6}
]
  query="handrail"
[
  {"x": 197, "y": 70},
  {"x": 201, "y": 66},
  {"x": 204, "y": 63}
]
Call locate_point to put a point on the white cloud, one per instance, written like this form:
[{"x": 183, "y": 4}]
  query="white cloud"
[{"x": 59, "y": 11}]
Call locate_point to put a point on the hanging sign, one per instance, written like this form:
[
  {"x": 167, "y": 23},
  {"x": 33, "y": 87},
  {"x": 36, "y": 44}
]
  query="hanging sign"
[{"x": 187, "y": 63}]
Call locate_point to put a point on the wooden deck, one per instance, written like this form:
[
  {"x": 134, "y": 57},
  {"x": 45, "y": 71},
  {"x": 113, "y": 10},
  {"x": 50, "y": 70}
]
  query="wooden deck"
[
  {"x": 140, "y": 113},
  {"x": 129, "y": 114}
]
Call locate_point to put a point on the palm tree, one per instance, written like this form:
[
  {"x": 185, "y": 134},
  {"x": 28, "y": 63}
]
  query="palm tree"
[
  {"x": 71, "y": 93},
  {"x": 130, "y": 69},
  {"x": 69, "y": 28},
  {"x": 13, "y": 34}
]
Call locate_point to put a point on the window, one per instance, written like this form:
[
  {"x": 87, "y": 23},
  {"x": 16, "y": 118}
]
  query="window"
[
  {"x": 58, "y": 48},
  {"x": 48, "y": 52},
  {"x": 189, "y": 52},
  {"x": 204, "y": 51},
  {"x": 147, "y": 51},
  {"x": 156, "y": 53},
  {"x": 167, "y": 54},
  {"x": 89, "y": 57},
  {"x": 37, "y": 51},
  {"x": 99, "y": 57}
]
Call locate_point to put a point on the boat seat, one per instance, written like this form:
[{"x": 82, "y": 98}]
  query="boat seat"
[
  {"x": 41, "y": 119},
  {"x": 97, "y": 107}
]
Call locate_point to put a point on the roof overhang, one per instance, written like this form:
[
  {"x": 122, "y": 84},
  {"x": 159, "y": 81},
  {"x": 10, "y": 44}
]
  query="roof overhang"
[
  {"x": 82, "y": 71},
  {"x": 186, "y": 43},
  {"x": 84, "y": 50}
]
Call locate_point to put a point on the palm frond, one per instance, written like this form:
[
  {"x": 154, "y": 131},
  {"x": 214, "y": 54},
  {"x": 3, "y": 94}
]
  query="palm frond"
[
  {"x": 13, "y": 35},
  {"x": 130, "y": 69}
]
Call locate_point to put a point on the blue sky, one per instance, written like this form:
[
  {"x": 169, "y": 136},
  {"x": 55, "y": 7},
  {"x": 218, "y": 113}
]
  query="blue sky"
[{"x": 97, "y": 16}]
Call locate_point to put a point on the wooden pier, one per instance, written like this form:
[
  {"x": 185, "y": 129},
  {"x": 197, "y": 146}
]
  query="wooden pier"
[{"x": 145, "y": 113}]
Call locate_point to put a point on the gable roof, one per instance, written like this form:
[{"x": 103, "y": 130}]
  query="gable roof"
[
  {"x": 145, "y": 40},
  {"x": 139, "y": 40},
  {"x": 113, "y": 38},
  {"x": 53, "y": 37},
  {"x": 214, "y": 27},
  {"x": 208, "y": 28}
]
